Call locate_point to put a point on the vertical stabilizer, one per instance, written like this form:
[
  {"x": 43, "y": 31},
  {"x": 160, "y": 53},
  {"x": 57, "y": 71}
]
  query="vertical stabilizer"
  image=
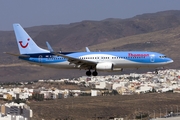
[{"x": 25, "y": 43}]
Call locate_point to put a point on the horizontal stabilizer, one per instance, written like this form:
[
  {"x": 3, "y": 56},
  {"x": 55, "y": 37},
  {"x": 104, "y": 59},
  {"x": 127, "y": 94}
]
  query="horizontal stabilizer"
[{"x": 19, "y": 55}]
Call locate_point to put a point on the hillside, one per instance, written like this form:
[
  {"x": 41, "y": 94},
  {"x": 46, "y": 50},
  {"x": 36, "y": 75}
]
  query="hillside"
[
  {"x": 87, "y": 33},
  {"x": 150, "y": 32},
  {"x": 164, "y": 41},
  {"x": 74, "y": 36}
]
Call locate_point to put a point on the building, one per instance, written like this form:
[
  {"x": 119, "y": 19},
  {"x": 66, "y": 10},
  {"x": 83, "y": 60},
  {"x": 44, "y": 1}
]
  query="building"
[
  {"x": 103, "y": 85},
  {"x": 12, "y": 117},
  {"x": 15, "y": 110}
]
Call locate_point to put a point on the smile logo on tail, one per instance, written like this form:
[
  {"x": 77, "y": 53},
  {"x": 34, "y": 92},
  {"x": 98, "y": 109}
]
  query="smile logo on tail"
[{"x": 24, "y": 46}]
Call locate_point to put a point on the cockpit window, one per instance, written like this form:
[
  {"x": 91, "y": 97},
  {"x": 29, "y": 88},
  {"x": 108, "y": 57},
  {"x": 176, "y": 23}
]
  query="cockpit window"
[{"x": 162, "y": 56}]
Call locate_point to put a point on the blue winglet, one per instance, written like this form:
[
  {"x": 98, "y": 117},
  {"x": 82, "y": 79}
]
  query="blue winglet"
[
  {"x": 49, "y": 47},
  {"x": 87, "y": 49}
]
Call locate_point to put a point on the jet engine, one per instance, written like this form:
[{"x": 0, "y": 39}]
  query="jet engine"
[{"x": 104, "y": 66}]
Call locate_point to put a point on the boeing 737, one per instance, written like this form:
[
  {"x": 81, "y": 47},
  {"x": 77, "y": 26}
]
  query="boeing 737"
[{"x": 90, "y": 61}]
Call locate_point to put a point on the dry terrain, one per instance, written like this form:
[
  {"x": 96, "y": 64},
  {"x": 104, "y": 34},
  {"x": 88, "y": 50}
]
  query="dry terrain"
[{"x": 91, "y": 108}]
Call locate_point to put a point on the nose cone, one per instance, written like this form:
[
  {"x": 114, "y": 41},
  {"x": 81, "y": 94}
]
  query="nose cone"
[{"x": 169, "y": 60}]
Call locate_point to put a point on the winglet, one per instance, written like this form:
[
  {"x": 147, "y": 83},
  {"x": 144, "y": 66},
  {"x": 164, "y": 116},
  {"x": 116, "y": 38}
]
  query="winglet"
[
  {"x": 49, "y": 47},
  {"x": 87, "y": 49}
]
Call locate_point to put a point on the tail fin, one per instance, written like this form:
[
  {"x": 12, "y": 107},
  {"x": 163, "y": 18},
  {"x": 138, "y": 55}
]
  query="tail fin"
[{"x": 25, "y": 43}]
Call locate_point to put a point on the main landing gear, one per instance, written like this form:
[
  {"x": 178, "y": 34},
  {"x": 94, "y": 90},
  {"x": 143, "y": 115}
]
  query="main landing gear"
[{"x": 89, "y": 73}]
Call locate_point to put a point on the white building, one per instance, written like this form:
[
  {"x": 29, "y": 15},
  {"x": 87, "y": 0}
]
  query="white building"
[
  {"x": 95, "y": 92},
  {"x": 144, "y": 89},
  {"x": 17, "y": 111},
  {"x": 103, "y": 85},
  {"x": 12, "y": 117},
  {"x": 117, "y": 85}
]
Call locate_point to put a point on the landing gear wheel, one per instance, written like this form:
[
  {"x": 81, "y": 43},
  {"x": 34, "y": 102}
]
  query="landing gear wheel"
[
  {"x": 95, "y": 73},
  {"x": 156, "y": 71},
  {"x": 88, "y": 73}
]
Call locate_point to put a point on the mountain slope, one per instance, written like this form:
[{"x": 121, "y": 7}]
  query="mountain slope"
[{"x": 150, "y": 32}]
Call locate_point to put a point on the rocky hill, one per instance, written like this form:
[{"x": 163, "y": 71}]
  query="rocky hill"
[{"x": 151, "y": 32}]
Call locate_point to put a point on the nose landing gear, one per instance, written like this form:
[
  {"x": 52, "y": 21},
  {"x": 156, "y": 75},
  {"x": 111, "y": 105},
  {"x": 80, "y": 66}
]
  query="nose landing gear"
[{"x": 156, "y": 71}]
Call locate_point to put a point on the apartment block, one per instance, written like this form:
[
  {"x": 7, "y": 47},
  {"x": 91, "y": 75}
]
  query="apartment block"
[{"x": 14, "y": 110}]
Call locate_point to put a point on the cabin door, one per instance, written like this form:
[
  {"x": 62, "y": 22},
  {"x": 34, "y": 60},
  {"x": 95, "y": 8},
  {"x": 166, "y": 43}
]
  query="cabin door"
[
  {"x": 40, "y": 58},
  {"x": 152, "y": 59}
]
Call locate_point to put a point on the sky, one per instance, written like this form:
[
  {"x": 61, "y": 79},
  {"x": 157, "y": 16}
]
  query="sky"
[{"x": 53, "y": 12}]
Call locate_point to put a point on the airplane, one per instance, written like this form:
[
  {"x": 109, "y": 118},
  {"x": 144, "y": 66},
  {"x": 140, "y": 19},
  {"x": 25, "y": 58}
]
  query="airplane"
[{"x": 96, "y": 61}]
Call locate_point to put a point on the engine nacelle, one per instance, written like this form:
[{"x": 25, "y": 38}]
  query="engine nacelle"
[{"x": 104, "y": 66}]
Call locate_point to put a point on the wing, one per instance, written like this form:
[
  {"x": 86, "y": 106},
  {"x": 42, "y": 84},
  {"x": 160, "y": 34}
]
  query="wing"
[{"x": 80, "y": 63}]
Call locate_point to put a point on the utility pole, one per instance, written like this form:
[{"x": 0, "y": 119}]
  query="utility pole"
[
  {"x": 172, "y": 111},
  {"x": 177, "y": 110}
]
